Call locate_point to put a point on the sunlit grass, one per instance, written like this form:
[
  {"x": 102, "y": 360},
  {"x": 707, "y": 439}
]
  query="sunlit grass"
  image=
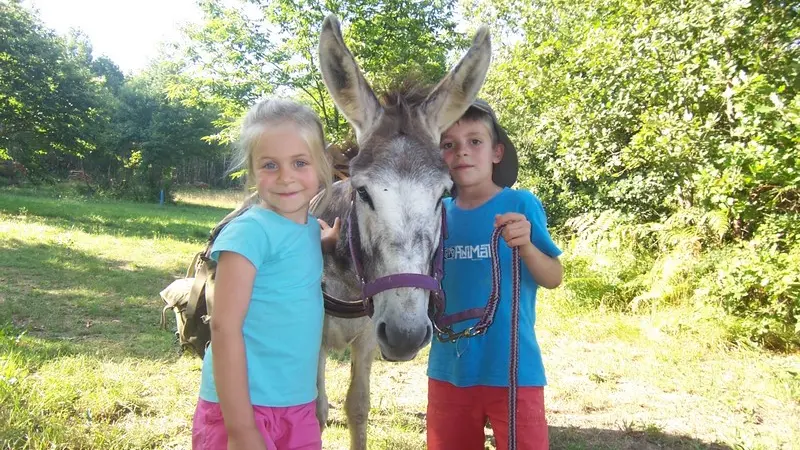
[{"x": 210, "y": 197}]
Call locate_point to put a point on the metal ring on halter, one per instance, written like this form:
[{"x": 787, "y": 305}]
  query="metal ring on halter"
[{"x": 448, "y": 335}]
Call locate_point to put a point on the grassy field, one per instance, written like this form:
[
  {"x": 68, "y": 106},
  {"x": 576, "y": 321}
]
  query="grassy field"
[{"x": 84, "y": 364}]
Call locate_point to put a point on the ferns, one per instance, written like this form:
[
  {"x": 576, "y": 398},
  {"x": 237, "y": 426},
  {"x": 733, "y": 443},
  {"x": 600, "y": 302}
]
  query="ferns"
[{"x": 689, "y": 258}]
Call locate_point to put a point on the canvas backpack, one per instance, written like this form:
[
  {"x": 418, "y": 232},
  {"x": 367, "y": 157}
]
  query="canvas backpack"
[{"x": 191, "y": 298}]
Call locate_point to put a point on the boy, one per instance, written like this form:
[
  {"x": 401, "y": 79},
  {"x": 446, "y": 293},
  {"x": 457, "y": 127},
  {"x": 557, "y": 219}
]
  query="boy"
[{"x": 468, "y": 379}]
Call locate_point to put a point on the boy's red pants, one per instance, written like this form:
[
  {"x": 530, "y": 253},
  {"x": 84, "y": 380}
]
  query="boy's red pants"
[{"x": 457, "y": 415}]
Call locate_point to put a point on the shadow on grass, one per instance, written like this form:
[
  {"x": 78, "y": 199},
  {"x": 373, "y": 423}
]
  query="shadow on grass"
[
  {"x": 573, "y": 438},
  {"x": 181, "y": 222},
  {"x": 80, "y": 303}
]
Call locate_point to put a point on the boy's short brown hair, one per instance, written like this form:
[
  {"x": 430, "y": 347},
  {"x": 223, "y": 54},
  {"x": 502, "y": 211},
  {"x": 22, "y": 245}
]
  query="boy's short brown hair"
[{"x": 476, "y": 115}]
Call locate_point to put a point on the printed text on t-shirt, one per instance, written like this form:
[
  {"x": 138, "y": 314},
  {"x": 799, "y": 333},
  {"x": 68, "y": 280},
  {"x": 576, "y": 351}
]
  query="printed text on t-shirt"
[{"x": 468, "y": 252}]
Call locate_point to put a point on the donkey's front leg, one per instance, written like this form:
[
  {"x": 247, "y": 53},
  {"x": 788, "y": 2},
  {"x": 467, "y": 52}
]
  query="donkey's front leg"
[
  {"x": 356, "y": 406},
  {"x": 322, "y": 396}
]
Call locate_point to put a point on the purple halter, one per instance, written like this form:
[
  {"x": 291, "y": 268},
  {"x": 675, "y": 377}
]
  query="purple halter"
[{"x": 432, "y": 283}]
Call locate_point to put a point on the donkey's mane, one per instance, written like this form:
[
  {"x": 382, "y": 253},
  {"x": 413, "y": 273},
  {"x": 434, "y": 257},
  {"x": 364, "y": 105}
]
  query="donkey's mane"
[
  {"x": 401, "y": 100},
  {"x": 405, "y": 94}
]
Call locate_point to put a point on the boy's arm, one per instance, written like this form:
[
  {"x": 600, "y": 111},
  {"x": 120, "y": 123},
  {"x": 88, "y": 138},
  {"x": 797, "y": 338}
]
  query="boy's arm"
[
  {"x": 545, "y": 270},
  {"x": 234, "y": 286}
]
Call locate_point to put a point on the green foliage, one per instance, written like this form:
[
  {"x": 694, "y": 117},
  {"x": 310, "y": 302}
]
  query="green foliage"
[
  {"x": 51, "y": 108},
  {"x": 759, "y": 281},
  {"x": 615, "y": 263},
  {"x": 154, "y": 134},
  {"x": 223, "y": 66},
  {"x": 606, "y": 263},
  {"x": 649, "y": 107},
  {"x": 398, "y": 39},
  {"x": 61, "y": 110}
]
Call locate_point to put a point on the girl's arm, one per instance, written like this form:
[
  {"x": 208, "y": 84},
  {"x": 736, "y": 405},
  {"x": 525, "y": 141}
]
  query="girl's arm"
[
  {"x": 234, "y": 286},
  {"x": 545, "y": 270}
]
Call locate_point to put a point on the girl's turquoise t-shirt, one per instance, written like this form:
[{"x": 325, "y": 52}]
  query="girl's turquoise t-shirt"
[
  {"x": 283, "y": 326},
  {"x": 484, "y": 360}
]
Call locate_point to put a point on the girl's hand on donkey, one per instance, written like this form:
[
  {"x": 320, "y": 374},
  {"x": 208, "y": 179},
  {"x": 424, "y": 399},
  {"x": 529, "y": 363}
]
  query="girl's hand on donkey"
[
  {"x": 329, "y": 234},
  {"x": 517, "y": 232}
]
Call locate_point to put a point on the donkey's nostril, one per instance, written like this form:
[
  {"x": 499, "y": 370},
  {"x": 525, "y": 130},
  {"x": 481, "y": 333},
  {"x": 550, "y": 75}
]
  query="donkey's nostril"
[
  {"x": 382, "y": 331},
  {"x": 428, "y": 334}
]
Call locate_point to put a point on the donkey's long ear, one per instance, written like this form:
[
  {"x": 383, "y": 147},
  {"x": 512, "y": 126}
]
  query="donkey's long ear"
[
  {"x": 456, "y": 92},
  {"x": 343, "y": 78}
]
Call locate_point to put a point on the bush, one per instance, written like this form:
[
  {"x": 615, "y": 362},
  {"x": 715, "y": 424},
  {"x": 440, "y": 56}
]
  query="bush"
[
  {"x": 605, "y": 262},
  {"x": 759, "y": 281},
  {"x": 611, "y": 262}
]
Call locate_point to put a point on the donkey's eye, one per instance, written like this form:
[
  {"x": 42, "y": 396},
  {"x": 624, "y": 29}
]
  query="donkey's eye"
[{"x": 362, "y": 192}]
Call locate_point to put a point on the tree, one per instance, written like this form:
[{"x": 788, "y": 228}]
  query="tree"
[
  {"x": 650, "y": 106},
  {"x": 112, "y": 77},
  {"x": 49, "y": 101},
  {"x": 62, "y": 109},
  {"x": 242, "y": 53},
  {"x": 154, "y": 135}
]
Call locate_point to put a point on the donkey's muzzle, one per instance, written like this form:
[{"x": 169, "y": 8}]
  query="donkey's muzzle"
[{"x": 401, "y": 343}]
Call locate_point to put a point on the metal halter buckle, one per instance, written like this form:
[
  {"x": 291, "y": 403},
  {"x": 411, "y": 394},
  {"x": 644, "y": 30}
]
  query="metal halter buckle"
[{"x": 448, "y": 335}]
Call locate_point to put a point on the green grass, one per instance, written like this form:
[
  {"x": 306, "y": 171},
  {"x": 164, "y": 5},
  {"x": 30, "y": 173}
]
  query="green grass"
[{"x": 84, "y": 364}]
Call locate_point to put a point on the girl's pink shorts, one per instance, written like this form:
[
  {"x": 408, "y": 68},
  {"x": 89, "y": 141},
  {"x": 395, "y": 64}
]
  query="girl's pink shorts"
[{"x": 283, "y": 428}]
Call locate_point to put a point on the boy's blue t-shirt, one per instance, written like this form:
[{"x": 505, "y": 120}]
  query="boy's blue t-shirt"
[
  {"x": 283, "y": 325},
  {"x": 484, "y": 360}
]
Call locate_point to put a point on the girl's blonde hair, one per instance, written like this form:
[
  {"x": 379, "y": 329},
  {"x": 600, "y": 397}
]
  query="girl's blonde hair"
[{"x": 273, "y": 112}]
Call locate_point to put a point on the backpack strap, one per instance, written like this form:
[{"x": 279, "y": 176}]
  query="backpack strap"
[
  {"x": 200, "y": 278},
  {"x": 190, "y": 271},
  {"x": 164, "y": 316}
]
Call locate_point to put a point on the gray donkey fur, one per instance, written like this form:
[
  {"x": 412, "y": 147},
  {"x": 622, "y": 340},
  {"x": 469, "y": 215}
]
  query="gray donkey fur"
[{"x": 400, "y": 179}]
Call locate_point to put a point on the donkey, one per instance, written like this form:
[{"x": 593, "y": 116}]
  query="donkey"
[{"x": 394, "y": 197}]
